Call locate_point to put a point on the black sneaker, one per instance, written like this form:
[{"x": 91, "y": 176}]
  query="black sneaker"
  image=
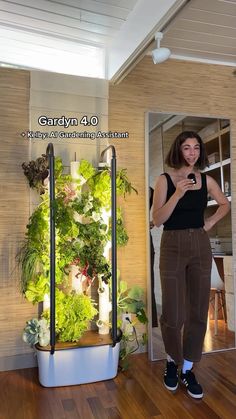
[
  {"x": 171, "y": 376},
  {"x": 194, "y": 389}
]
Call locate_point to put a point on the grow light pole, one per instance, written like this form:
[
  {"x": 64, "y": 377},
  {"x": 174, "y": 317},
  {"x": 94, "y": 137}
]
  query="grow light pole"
[
  {"x": 50, "y": 156},
  {"x": 115, "y": 336}
]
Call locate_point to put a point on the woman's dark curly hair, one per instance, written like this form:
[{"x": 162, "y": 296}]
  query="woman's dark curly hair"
[{"x": 175, "y": 158}]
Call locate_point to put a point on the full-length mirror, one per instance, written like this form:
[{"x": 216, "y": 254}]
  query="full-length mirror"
[{"x": 161, "y": 130}]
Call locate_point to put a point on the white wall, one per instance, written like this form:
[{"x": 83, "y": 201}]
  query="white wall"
[{"x": 55, "y": 95}]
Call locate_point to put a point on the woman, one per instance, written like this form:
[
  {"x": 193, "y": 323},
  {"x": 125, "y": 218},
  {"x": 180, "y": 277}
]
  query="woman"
[{"x": 180, "y": 199}]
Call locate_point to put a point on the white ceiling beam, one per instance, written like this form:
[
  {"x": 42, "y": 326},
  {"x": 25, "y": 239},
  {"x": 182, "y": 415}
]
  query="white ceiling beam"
[{"x": 147, "y": 17}]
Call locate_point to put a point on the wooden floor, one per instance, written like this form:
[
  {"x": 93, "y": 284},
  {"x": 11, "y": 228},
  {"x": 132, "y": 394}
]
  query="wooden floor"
[
  {"x": 225, "y": 339},
  {"x": 135, "y": 394}
]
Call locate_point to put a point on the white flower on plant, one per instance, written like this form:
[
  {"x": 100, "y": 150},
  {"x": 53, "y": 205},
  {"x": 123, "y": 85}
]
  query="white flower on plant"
[{"x": 96, "y": 216}]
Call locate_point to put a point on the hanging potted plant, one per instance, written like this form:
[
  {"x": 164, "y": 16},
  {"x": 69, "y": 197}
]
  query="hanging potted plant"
[{"x": 82, "y": 233}]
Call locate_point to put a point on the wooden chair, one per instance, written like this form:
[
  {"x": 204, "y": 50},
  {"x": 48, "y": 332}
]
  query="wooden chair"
[{"x": 218, "y": 286}]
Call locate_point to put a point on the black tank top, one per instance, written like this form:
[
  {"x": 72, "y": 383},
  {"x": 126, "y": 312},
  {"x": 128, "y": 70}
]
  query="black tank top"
[{"x": 189, "y": 211}]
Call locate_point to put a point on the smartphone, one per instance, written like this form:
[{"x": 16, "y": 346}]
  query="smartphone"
[{"x": 192, "y": 177}]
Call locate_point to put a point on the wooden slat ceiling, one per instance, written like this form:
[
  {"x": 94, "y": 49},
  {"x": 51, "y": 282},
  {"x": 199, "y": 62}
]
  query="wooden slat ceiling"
[
  {"x": 204, "y": 29},
  {"x": 90, "y": 21}
]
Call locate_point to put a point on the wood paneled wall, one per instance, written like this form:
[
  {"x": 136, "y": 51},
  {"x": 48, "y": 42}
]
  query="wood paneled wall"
[
  {"x": 172, "y": 87},
  {"x": 14, "y": 213}
]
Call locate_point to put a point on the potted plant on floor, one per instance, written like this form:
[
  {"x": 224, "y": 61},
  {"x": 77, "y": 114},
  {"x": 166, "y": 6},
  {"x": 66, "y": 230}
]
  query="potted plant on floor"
[{"x": 131, "y": 310}]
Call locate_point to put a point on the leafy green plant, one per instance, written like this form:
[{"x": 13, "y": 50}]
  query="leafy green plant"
[
  {"x": 36, "y": 173},
  {"x": 82, "y": 232},
  {"x": 36, "y": 331},
  {"x": 73, "y": 312},
  {"x": 33, "y": 255},
  {"x": 37, "y": 289},
  {"x": 123, "y": 185},
  {"x": 130, "y": 301}
]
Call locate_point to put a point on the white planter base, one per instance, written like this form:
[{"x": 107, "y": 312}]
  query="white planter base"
[{"x": 79, "y": 365}]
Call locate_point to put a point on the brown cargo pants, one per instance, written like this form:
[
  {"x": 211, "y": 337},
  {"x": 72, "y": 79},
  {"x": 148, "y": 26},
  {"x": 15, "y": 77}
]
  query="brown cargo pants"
[{"x": 185, "y": 271}]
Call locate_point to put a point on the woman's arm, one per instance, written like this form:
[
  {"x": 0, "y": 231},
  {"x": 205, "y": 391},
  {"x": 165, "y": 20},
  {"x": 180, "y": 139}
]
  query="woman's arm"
[
  {"x": 224, "y": 205},
  {"x": 162, "y": 210}
]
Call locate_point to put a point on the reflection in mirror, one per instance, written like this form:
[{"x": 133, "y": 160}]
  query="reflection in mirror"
[{"x": 161, "y": 130}]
